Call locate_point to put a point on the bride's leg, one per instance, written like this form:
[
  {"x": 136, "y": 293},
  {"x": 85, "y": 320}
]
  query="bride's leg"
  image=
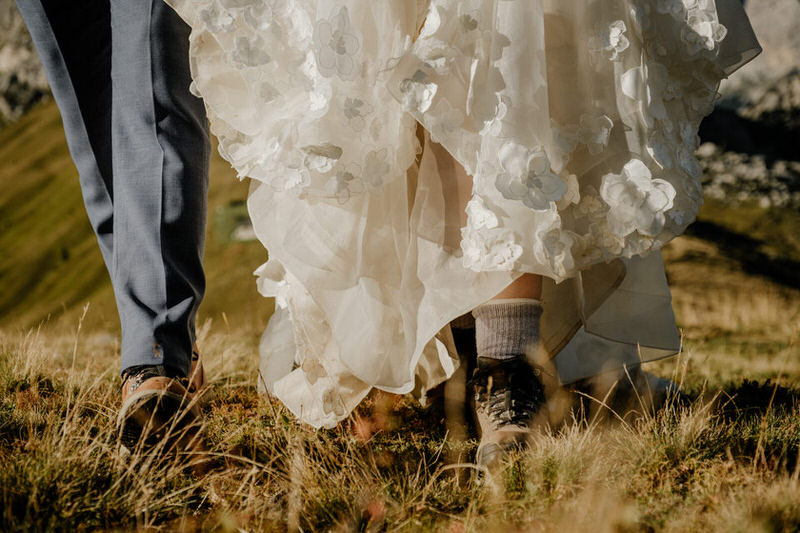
[
  {"x": 527, "y": 285},
  {"x": 508, "y": 393},
  {"x": 454, "y": 178}
]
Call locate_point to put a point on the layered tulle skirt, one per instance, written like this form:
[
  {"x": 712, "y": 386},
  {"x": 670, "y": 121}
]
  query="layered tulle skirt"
[{"x": 577, "y": 121}]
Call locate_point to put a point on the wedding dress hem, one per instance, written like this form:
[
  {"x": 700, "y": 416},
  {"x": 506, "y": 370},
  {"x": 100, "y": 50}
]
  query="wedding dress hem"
[{"x": 576, "y": 120}]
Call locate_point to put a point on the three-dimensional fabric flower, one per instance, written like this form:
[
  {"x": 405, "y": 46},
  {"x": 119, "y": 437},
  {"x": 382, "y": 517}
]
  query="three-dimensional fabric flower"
[
  {"x": 345, "y": 182},
  {"x": 610, "y": 40},
  {"x": 527, "y": 177},
  {"x": 594, "y": 132},
  {"x": 337, "y": 44},
  {"x": 637, "y": 201}
]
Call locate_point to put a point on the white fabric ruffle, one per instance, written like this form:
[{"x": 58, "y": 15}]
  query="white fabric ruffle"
[{"x": 577, "y": 120}]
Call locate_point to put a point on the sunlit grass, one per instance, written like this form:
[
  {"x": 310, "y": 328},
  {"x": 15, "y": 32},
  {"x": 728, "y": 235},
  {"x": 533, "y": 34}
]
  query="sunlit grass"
[{"x": 727, "y": 462}]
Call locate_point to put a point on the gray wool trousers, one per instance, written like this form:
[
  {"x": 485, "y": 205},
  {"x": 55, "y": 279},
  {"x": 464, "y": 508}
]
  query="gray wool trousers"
[{"x": 119, "y": 72}]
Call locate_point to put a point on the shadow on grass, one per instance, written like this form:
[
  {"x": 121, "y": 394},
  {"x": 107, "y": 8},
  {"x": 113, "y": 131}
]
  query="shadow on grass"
[
  {"x": 758, "y": 424},
  {"x": 756, "y": 398},
  {"x": 745, "y": 250}
]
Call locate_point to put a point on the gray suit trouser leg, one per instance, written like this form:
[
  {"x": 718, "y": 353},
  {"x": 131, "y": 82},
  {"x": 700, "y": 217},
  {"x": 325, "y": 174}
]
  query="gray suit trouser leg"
[{"x": 119, "y": 71}]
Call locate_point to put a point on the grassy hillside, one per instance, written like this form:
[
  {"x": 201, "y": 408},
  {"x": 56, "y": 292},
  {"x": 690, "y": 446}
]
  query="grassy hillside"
[{"x": 50, "y": 265}]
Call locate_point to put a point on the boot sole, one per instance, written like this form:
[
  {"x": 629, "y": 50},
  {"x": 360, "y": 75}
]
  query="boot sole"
[
  {"x": 149, "y": 417},
  {"x": 492, "y": 455}
]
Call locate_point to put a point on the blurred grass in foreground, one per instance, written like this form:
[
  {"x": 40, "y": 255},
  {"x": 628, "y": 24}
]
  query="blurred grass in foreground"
[{"x": 729, "y": 462}]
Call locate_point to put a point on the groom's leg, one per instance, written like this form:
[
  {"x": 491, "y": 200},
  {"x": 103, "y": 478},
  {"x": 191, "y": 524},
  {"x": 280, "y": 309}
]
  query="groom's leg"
[
  {"x": 160, "y": 153},
  {"x": 160, "y": 169}
]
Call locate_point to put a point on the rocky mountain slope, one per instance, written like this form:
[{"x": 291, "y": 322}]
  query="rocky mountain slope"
[{"x": 22, "y": 80}]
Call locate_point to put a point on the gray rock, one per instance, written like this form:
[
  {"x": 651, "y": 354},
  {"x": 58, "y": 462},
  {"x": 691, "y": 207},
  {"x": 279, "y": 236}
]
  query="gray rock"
[
  {"x": 777, "y": 25},
  {"x": 22, "y": 79},
  {"x": 736, "y": 178}
]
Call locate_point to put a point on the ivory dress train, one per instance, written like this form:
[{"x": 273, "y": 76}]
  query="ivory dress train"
[{"x": 576, "y": 119}]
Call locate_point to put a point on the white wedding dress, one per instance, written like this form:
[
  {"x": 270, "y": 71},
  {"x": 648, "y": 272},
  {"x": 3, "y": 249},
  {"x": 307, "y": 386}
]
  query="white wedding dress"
[{"x": 577, "y": 120}]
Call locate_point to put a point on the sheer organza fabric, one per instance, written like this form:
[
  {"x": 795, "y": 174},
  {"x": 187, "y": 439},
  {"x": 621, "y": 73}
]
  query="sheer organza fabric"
[{"x": 577, "y": 121}]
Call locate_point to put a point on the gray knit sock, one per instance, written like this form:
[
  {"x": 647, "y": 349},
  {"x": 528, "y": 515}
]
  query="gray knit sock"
[{"x": 508, "y": 328}]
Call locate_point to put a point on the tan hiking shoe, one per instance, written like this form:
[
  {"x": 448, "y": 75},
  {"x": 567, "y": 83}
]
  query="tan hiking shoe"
[
  {"x": 157, "y": 405},
  {"x": 508, "y": 397}
]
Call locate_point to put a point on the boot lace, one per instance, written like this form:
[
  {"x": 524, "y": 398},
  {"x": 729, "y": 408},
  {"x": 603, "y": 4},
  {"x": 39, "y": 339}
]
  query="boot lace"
[{"x": 510, "y": 392}]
